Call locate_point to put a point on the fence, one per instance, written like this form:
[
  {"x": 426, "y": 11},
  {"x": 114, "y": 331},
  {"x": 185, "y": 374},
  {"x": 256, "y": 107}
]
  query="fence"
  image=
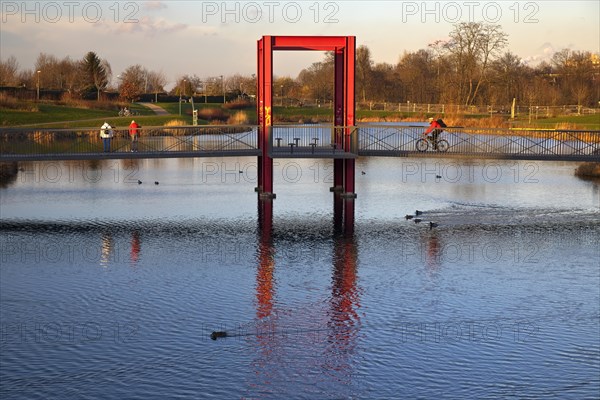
[
  {"x": 313, "y": 141},
  {"x": 536, "y": 111},
  {"x": 16, "y": 144},
  {"x": 483, "y": 142}
]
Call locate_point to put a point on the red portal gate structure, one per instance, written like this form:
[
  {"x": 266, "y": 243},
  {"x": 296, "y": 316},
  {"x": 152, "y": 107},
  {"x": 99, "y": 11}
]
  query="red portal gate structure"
[{"x": 343, "y": 48}]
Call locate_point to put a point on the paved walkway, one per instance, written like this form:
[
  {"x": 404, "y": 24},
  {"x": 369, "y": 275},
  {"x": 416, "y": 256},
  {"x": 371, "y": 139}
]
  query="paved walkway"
[{"x": 157, "y": 110}]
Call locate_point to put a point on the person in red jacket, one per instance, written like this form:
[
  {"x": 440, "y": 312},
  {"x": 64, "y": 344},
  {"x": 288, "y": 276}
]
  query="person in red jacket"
[
  {"x": 436, "y": 127},
  {"x": 134, "y": 133}
]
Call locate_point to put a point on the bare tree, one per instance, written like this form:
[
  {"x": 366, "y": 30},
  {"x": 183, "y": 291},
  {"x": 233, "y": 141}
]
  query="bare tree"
[
  {"x": 417, "y": 72},
  {"x": 364, "y": 65},
  {"x": 316, "y": 81},
  {"x": 189, "y": 85},
  {"x": 9, "y": 72},
  {"x": 156, "y": 83},
  {"x": 575, "y": 71},
  {"x": 507, "y": 73},
  {"x": 472, "y": 47}
]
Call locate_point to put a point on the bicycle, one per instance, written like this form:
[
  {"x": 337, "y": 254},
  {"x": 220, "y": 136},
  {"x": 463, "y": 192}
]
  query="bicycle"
[
  {"x": 127, "y": 113},
  {"x": 440, "y": 145}
]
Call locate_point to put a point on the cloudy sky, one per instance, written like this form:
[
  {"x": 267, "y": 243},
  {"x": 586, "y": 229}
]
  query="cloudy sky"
[{"x": 211, "y": 38}]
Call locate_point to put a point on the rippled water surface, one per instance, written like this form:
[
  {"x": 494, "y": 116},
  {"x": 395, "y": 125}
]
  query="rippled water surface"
[{"x": 110, "y": 288}]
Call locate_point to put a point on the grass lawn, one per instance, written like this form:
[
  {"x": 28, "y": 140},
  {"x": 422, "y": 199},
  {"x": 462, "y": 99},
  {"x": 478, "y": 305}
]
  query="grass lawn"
[
  {"x": 590, "y": 121},
  {"x": 62, "y": 116},
  {"x": 49, "y": 113}
]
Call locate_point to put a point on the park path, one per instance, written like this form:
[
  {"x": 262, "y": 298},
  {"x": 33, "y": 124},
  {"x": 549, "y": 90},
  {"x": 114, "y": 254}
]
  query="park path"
[{"x": 157, "y": 110}]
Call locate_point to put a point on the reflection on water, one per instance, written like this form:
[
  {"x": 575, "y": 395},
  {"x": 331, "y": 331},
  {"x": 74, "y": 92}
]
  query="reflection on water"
[
  {"x": 107, "y": 249},
  {"x": 110, "y": 288},
  {"x": 136, "y": 247}
]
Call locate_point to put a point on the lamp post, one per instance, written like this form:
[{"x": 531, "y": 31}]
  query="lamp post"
[
  {"x": 183, "y": 82},
  {"x": 223, "y": 87},
  {"x": 281, "y": 95},
  {"x": 38, "y": 85}
]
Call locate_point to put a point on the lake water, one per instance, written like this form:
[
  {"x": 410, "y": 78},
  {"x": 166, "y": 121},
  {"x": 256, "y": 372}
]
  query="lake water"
[{"x": 111, "y": 289}]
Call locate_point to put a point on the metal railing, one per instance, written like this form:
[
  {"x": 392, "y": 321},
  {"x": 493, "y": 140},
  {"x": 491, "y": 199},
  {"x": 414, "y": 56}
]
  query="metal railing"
[
  {"x": 536, "y": 111},
  {"x": 176, "y": 141},
  {"x": 491, "y": 143},
  {"x": 313, "y": 141}
]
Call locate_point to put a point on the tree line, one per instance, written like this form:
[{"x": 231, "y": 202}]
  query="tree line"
[
  {"x": 472, "y": 67},
  {"x": 91, "y": 74}
]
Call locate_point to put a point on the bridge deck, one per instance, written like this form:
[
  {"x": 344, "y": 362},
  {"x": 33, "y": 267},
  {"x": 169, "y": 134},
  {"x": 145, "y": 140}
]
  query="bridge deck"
[
  {"x": 476, "y": 156},
  {"x": 305, "y": 141}
]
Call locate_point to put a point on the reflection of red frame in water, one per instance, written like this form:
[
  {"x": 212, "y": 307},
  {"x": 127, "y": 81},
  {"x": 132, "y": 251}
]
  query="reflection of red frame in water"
[
  {"x": 136, "y": 246},
  {"x": 343, "y": 319},
  {"x": 266, "y": 263},
  {"x": 344, "y": 49}
]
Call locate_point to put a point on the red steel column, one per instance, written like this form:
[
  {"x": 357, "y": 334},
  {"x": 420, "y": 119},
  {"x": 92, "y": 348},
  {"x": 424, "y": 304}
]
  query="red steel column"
[
  {"x": 259, "y": 110},
  {"x": 339, "y": 116},
  {"x": 350, "y": 120},
  {"x": 265, "y": 78}
]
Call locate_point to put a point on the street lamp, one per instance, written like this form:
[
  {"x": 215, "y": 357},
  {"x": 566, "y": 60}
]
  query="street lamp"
[
  {"x": 223, "y": 87},
  {"x": 281, "y": 95},
  {"x": 183, "y": 82},
  {"x": 38, "y": 84}
]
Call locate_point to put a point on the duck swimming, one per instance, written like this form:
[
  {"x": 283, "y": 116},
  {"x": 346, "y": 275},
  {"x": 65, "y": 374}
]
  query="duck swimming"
[{"x": 218, "y": 334}]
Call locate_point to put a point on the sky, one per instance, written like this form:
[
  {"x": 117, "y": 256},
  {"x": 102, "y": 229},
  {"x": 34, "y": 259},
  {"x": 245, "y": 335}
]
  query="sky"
[{"x": 212, "y": 38}]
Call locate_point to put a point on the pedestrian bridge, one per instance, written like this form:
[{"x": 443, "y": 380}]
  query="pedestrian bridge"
[{"x": 299, "y": 141}]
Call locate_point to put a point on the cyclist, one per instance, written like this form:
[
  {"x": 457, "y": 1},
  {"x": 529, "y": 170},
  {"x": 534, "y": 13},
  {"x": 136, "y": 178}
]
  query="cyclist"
[{"x": 436, "y": 127}]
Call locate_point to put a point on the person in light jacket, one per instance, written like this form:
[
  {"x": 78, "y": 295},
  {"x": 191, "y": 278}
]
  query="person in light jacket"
[{"x": 106, "y": 133}]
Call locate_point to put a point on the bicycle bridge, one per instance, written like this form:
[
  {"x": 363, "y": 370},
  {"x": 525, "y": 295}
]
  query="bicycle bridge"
[{"x": 298, "y": 141}]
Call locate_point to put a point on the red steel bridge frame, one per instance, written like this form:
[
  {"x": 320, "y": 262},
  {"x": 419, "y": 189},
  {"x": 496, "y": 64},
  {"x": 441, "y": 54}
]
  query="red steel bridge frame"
[{"x": 344, "y": 49}]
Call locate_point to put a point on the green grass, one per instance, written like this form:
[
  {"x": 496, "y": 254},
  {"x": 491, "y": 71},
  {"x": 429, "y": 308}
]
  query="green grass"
[
  {"x": 49, "y": 113},
  {"x": 591, "y": 121},
  {"x": 61, "y": 116},
  {"x": 52, "y": 114},
  {"x": 119, "y": 122}
]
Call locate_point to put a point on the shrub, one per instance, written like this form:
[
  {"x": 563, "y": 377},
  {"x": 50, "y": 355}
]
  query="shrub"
[
  {"x": 588, "y": 170},
  {"x": 239, "y": 118},
  {"x": 238, "y": 104},
  {"x": 11, "y": 103},
  {"x": 174, "y": 123},
  {"x": 212, "y": 114}
]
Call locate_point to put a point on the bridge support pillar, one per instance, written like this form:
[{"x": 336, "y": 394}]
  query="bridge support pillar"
[
  {"x": 344, "y": 104},
  {"x": 264, "y": 112},
  {"x": 343, "y": 213}
]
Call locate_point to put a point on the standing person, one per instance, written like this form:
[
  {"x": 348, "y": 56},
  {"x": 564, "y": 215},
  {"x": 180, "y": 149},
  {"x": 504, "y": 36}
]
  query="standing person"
[
  {"x": 435, "y": 127},
  {"x": 106, "y": 133},
  {"x": 134, "y": 133}
]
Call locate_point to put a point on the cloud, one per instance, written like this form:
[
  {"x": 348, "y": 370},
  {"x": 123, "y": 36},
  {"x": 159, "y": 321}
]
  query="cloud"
[
  {"x": 148, "y": 26},
  {"x": 545, "y": 52},
  {"x": 155, "y": 5}
]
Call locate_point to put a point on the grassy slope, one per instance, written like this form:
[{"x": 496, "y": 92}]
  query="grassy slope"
[
  {"x": 590, "y": 121},
  {"x": 57, "y": 116}
]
